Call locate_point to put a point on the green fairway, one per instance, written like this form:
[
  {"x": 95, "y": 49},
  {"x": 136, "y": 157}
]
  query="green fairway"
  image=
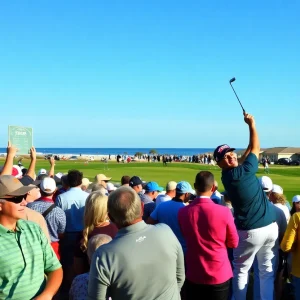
[{"x": 287, "y": 177}]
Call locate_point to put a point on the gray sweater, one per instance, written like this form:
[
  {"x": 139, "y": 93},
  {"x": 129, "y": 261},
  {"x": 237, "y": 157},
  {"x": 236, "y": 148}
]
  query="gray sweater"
[{"x": 143, "y": 262}]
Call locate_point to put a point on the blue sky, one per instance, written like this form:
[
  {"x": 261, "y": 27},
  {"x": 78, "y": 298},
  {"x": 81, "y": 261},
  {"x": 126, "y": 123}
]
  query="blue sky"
[{"x": 150, "y": 73}]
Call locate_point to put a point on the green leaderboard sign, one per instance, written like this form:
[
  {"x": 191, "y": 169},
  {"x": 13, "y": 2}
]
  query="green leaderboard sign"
[{"x": 21, "y": 137}]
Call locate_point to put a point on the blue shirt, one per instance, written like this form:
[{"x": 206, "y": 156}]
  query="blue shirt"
[
  {"x": 149, "y": 206},
  {"x": 167, "y": 213},
  {"x": 72, "y": 203},
  {"x": 252, "y": 209}
]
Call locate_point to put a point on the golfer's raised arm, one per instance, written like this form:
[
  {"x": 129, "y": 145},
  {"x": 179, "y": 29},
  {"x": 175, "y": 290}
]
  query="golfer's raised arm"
[{"x": 254, "y": 140}]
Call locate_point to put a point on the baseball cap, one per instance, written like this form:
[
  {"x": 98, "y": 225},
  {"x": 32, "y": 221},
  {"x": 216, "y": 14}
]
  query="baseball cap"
[
  {"x": 266, "y": 183},
  {"x": 277, "y": 189},
  {"x": 86, "y": 182},
  {"x": 102, "y": 177},
  {"x": 16, "y": 171},
  {"x": 296, "y": 199},
  {"x": 11, "y": 186},
  {"x": 48, "y": 185},
  {"x": 152, "y": 186},
  {"x": 220, "y": 152},
  {"x": 184, "y": 187},
  {"x": 42, "y": 172},
  {"x": 135, "y": 180},
  {"x": 171, "y": 185},
  {"x": 110, "y": 187}
]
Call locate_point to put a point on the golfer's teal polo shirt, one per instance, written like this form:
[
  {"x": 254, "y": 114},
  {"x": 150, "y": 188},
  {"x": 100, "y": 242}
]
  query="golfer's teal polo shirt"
[
  {"x": 25, "y": 255},
  {"x": 252, "y": 208}
]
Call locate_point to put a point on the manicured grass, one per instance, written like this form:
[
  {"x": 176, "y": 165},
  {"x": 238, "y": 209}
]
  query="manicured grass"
[{"x": 286, "y": 177}]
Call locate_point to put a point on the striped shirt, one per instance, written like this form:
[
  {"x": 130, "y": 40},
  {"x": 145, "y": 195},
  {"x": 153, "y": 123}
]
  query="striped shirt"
[
  {"x": 56, "y": 218},
  {"x": 25, "y": 255}
]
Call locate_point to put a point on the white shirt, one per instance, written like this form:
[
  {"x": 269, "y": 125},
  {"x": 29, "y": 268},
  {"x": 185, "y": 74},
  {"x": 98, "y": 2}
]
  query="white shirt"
[{"x": 285, "y": 209}]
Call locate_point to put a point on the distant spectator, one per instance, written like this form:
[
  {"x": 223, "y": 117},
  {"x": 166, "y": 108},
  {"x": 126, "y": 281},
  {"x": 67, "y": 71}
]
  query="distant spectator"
[
  {"x": 151, "y": 191},
  {"x": 137, "y": 184},
  {"x": 102, "y": 179},
  {"x": 170, "y": 193},
  {"x": 125, "y": 180},
  {"x": 42, "y": 172},
  {"x": 278, "y": 199},
  {"x": 110, "y": 187},
  {"x": 216, "y": 196},
  {"x": 97, "y": 187},
  {"x": 64, "y": 187},
  {"x": 85, "y": 184},
  {"x": 296, "y": 204},
  {"x": 79, "y": 287}
]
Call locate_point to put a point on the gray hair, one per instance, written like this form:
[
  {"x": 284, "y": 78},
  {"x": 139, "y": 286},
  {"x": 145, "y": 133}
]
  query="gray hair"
[
  {"x": 124, "y": 206},
  {"x": 97, "y": 187},
  {"x": 95, "y": 242}
]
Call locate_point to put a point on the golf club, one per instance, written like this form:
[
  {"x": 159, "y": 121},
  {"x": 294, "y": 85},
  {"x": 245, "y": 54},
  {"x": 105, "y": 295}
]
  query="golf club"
[{"x": 230, "y": 82}]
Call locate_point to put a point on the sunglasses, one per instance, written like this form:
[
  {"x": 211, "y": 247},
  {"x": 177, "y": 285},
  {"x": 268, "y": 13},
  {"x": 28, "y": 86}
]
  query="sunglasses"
[{"x": 16, "y": 199}]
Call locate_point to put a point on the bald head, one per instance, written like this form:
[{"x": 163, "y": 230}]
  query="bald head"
[{"x": 124, "y": 206}]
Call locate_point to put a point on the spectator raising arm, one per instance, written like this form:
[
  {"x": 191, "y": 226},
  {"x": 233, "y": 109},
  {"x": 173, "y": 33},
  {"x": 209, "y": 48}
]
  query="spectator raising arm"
[
  {"x": 8, "y": 165},
  {"x": 31, "y": 169},
  {"x": 52, "y": 164}
]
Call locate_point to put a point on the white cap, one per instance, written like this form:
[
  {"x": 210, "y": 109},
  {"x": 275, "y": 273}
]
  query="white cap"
[
  {"x": 296, "y": 198},
  {"x": 171, "y": 186},
  {"x": 110, "y": 187},
  {"x": 277, "y": 189},
  {"x": 48, "y": 185},
  {"x": 86, "y": 182},
  {"x": 42, "y": 172},
  {"x": 266, "y": 183}
]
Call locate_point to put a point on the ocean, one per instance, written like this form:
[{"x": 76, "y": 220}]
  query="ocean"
[{"x": 121, "y": 151}]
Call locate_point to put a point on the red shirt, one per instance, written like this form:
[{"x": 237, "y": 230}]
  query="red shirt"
[{"x": 208, "y": 229}]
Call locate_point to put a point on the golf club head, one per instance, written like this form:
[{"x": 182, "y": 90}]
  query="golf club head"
[{"x": 232, "y": 80}]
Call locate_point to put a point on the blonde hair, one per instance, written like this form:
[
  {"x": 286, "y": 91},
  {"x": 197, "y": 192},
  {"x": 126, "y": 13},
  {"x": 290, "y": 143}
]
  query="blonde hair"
[
  {"x": 95, "y": 214},
  {"x": 278, "y": 198}
]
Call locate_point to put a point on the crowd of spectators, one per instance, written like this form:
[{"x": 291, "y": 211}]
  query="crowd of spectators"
[{"x": 65, "y": 237}]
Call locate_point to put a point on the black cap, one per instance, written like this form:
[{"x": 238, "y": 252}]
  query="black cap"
[
  {"x": 220, "y": 152},
  {"x": 135, "y": 180}
]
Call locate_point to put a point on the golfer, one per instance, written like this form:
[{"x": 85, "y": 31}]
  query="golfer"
[{"x": 254, "y": 215}]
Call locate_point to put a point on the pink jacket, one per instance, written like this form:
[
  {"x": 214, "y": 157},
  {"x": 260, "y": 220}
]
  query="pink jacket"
[{"x": 208, "y": 229}]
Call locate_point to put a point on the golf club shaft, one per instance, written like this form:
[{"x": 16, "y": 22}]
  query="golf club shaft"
[{"x": 237, "y": 98}]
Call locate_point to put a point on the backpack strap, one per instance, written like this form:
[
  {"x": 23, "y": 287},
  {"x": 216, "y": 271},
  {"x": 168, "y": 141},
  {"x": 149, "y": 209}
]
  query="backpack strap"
[{"x": 48, "y": 210}]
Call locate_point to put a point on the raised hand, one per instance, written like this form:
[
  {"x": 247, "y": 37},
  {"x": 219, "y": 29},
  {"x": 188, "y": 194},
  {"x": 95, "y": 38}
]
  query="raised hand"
[{"x": 11, "y": 150}]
